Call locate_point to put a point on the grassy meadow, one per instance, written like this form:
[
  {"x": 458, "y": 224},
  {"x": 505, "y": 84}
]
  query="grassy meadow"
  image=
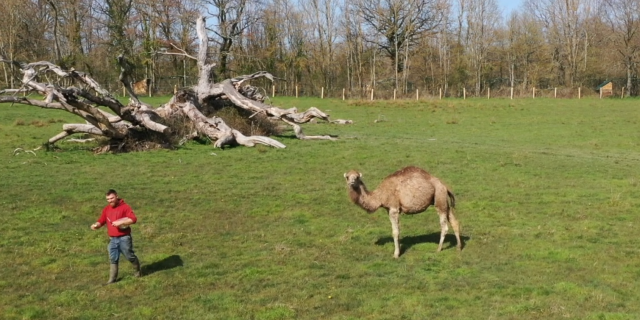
[{"x": 545, "y": 190}]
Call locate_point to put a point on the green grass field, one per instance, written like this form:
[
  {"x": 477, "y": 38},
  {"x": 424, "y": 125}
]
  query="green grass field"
[{"x": 545, "y": 189}]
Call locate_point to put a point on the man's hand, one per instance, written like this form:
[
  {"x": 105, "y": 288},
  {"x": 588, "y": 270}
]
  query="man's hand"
[
  {"x": 95, "y": 226},
  {"x": 122, "y": 223}
]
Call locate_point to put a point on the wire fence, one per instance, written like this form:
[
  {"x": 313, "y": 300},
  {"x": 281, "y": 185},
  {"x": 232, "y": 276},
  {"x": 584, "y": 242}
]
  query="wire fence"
[
  {"x": 169, "y": 86},
  {"x": 502, "y": 93}
]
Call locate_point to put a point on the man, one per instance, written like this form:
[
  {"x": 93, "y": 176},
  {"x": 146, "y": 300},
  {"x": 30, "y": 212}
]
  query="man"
[{"x": 118, "y": 216}]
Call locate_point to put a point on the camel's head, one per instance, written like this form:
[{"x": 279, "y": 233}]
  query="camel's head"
[{"x": 353, "y": 179}]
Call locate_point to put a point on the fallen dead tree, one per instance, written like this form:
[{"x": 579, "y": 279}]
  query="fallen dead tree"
[{"x": 186, "y": 115}]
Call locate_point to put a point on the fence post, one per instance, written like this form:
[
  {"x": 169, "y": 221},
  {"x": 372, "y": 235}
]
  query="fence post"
[
  {"x": 555, "y": 92},
  {"x": 394, "y": 94},
  {"x": 343, "y": 89},
  {"x": 464, "y": 93},
  {"x": 579, "y": 95},
  {"x": 440, "y": 89},
  {"x": 488, "y": 93},
  {"x": 273, "y": 91},
  {"x": 534, "y": 92},
  {"x": 622, "y": 95},
  {"x": 322, "y": 93},
  {"x": 371, "y": 94},
  {"x": 417, "y": 95},
  {"x": 600, "y": 93},
  {"x": 296, "y": 91},
  {"x": 511, "y": 93}
]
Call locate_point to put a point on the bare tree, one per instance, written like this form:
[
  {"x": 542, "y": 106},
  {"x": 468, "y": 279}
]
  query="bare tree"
[
  {"x": 10, "y": 34},
  {"x": 623, "y": 17},
  {"x": 564, "y": 23},
  {"x": 68, "y": 23},
  {"x": 281, "y": 40},
  {"x": 233, "y": 18},
  {"x": 117, "y": 14},
  {"x": 165, "y": 29},
  {"x": 263, "y": 43},
  {"x": 322, "y": 18},
  {"x": 481, "y": 19},
  {"x": 24, "y": 33},
  {"x": 291, "y": 54},
  {"x": 398, "y": 23},
  {"x": 525, "y": 49},
  {"x": 355, "y": 46}
]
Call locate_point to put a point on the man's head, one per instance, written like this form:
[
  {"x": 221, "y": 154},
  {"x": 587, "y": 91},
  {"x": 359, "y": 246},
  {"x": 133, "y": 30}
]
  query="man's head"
[{"x": 112, "y": 197}]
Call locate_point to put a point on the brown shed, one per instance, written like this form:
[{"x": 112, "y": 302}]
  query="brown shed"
[{"x": 606, "y": 89}]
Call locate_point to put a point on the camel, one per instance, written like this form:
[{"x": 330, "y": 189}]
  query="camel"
[
  {"x": 142, "y": 86},
  {"x": 410, "y": 190}
]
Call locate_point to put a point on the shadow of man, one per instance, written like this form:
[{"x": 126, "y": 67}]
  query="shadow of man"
[
  {"x": 410, "y": 241},
  {"x": 167, "y": 263}
]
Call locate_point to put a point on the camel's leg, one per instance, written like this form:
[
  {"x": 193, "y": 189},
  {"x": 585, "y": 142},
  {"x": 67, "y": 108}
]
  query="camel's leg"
[
  {"x": 394, "y": 217},
  {"x": 456, "y": 227},
  {"x": 444, "y": 228}
]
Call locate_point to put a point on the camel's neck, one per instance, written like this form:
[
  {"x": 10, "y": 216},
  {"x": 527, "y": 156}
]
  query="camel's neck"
[{"x": 365, "y": 199}]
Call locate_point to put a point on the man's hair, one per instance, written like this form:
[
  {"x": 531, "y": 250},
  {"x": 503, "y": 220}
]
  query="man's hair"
[{"x": 111, "y": 191}]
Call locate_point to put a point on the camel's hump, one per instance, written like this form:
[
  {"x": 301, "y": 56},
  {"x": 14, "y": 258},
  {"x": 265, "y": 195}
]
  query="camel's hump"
[{"x": 409, "y": 170}]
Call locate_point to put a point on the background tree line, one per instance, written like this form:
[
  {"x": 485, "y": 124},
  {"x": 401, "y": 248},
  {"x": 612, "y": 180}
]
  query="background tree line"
[{"x": 357, "y": 45}]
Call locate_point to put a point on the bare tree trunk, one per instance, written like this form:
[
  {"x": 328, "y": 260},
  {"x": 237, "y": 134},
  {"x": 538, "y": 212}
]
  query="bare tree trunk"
[
  {"x": 629, "y": 82},
  {"x": 56, "y": 41}
]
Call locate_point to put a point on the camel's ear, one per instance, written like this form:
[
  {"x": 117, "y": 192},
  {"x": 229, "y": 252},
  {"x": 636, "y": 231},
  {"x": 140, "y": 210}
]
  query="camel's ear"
[
  {"x": 345, "y": 175},
  {"x": 360, "y": 174}
]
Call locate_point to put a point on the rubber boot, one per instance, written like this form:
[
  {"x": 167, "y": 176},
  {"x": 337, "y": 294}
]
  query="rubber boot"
[
  {"x": 136, "y": 268},
  {"x": 113, "y": 273}
]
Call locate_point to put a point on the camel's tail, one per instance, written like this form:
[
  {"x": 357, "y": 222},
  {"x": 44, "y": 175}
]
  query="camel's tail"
[{"x": 452, "y": 199}]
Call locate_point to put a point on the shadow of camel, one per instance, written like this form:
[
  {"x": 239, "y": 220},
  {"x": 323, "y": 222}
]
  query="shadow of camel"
[
  {"x": 164, "y": 264},
  {"x": 410, "y": 241}
]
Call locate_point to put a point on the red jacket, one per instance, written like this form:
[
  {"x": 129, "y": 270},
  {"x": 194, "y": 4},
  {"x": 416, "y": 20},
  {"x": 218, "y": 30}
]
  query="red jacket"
[{"x": 111, "y": 214}]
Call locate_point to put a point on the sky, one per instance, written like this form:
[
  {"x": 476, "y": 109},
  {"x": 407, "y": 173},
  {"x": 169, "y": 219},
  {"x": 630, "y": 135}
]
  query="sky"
[{"x": 509, "y": 5}]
